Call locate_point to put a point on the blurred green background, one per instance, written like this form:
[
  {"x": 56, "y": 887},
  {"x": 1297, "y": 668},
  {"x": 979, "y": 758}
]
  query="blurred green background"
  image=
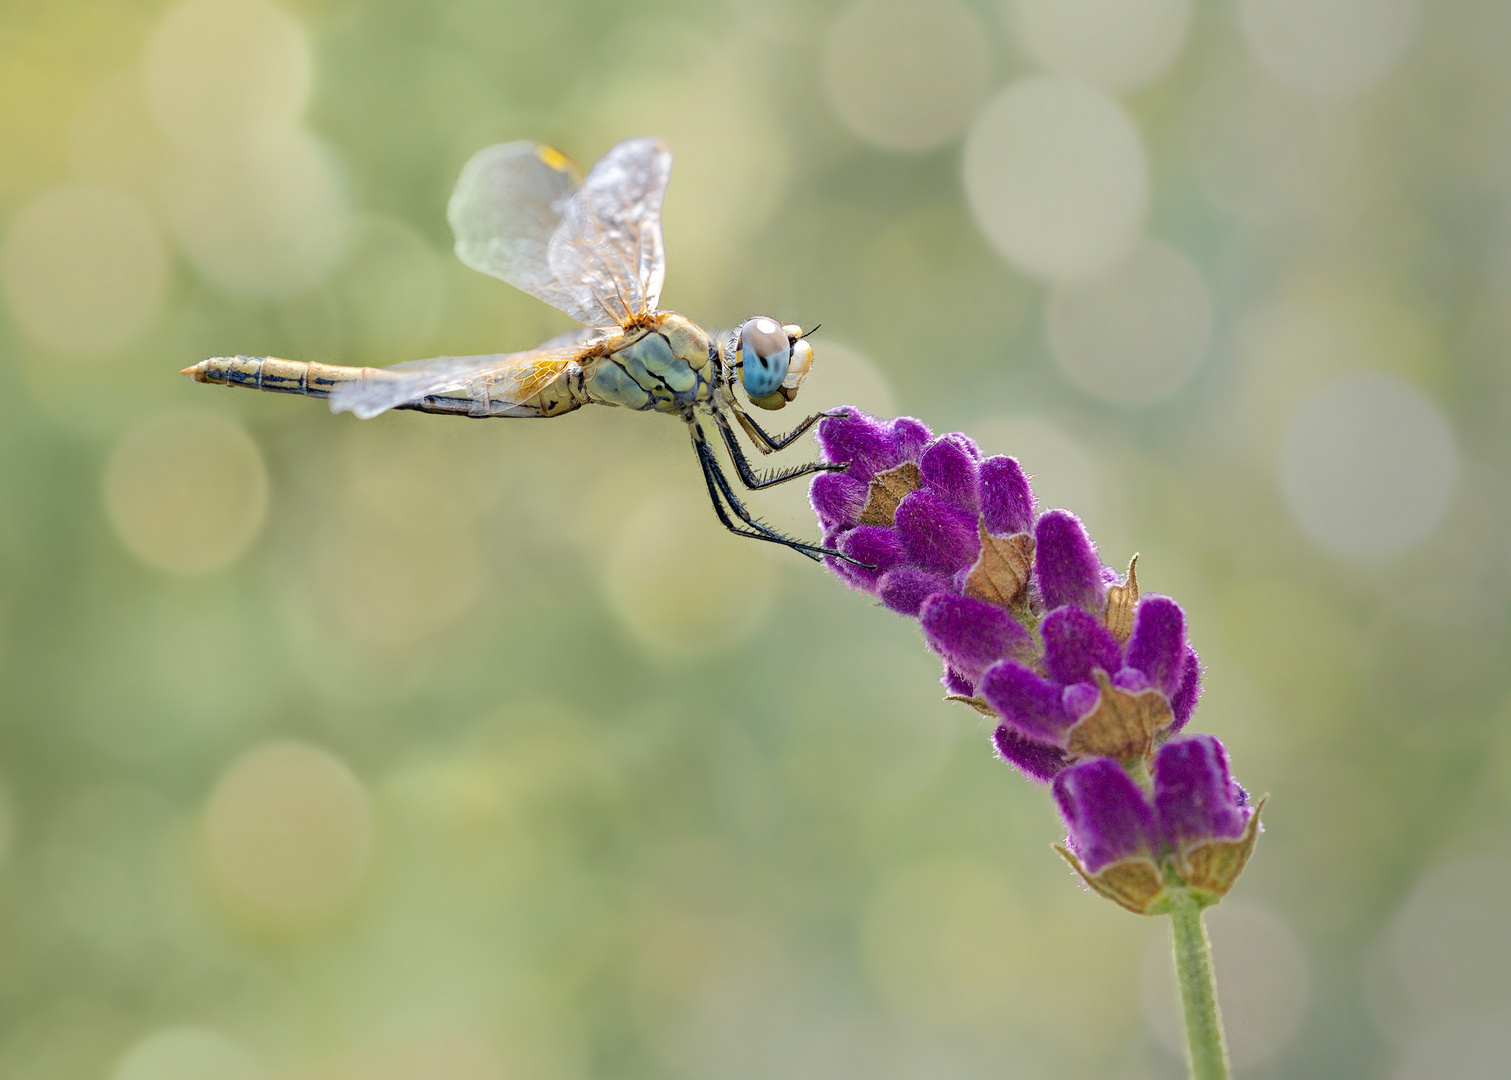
[{"x": 422, "y": 749}]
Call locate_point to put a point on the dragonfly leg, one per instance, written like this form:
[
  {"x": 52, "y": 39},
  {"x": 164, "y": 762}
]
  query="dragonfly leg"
[
  {"x": 754, "y": 480},
  {"x": 718, "y": 484},
  {"x": 770, "y": 444}
]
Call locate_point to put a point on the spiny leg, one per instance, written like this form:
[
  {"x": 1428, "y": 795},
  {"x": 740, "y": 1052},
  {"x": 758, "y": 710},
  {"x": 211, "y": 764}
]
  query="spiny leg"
[
  {"x": 713, "y": 496},
  {"x": 756, "y": 481},
  {"x": 718, "y": 484},
  {"x": 757, "y": 531},
  {"x": 770, "y": 444}
]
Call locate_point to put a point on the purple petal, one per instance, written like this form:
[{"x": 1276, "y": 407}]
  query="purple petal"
[
  {"x": 1038, "y": 761},
  {"x": 1106, "y": 817},
  {"x": 911, "y": 437},
  {"x": 906, "y": 588},
  {"x": 1007, "y": 502},
  {"x": 1158, "y": 644},
  {"x": 1078, "y": 699},
  {"x": 970, "y": 634},
  {"x": 1066, "y": 567},
  {"x": 862, "y": 441},
  {"x": 1194, "y": 794},
  {"x": 938, "y": 534},
  {"x": 837, "y": 498},
  {"x": 956, "y": 683},
  {"x": 874, "y": 544},
  {"x": 950, "y": 471},
  {"x": 1183, "y": 704},
  {"x": 1075, "y": 643},
  {"x": 1030, "y": 704},
  {"x": 967, "y": 444}
]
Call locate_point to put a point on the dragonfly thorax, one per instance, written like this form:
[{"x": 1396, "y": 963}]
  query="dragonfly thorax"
[{"x": 664, "y": 365}]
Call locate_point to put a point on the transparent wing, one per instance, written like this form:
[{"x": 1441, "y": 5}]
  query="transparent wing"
[
  {"x": 507, "y": 378},
  {"x": 595, "y": 253},
  {"x": 609, "y": 241},
  {"x": 507, "y": 204}
]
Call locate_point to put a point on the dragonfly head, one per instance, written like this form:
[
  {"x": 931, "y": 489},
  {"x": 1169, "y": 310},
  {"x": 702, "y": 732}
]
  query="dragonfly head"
[{"x": 773, "y": 360}]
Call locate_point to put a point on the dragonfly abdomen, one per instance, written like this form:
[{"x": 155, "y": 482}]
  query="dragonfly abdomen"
[
  {"x": 318, "y": 380},
  {"x": 278, "y": 376}
]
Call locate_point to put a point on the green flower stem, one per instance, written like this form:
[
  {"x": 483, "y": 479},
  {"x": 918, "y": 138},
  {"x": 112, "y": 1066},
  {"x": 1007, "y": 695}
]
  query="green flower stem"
[{"x": 1206, "y": 1049}]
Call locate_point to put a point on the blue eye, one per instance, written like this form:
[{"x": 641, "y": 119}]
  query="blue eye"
[{"x": 765, "y": 354}]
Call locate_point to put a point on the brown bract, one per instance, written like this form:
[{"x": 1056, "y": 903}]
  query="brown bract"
[
  {"x": 980, "y": 704},
  {"x": 886, "y": 491},
  {"x": 1136, "y": 884},
  {"x": 1122, "y": 725},
  {"x": 1122, "y": 600},
  {"x": 1001, "y": 574},
  {"x": 1211, "y": 868}
]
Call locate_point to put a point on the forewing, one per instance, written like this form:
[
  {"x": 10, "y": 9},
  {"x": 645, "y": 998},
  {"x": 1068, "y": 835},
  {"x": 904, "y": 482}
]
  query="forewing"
[
  {"x": 507, "y": 205},
  {"x": 506, "y": 378},
  {"x": 608, "y": 244}
]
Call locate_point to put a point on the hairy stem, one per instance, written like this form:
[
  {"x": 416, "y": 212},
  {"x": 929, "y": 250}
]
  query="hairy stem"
[{"x": 1206, "y": 1049}]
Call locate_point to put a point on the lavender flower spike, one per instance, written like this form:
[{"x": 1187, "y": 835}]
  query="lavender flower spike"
[{"x": 1088, "y": 680}]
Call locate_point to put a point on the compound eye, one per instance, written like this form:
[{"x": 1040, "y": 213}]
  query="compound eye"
[{"x": 765, "y": 353}]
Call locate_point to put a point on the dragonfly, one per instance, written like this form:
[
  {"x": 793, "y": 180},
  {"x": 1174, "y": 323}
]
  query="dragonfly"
[{"x": 590, "y": 246}]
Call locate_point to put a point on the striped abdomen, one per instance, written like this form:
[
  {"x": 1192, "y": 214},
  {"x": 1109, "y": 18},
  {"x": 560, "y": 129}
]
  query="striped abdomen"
[
  {"x": 318, "y": 380},
  {"x": 278, "y": 376}
]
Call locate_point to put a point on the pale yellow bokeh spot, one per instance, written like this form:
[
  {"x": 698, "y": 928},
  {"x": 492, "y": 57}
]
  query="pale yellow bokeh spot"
[
  {"x": 1301, "y": 651},
  {"x": 288, "y": 835},
  {"x": 1057, "y": 178},
  {"x": 113, "y": 139},
  {"x": 683, "y": 585},
  {"x": 1322, "y": 322},
  {"x": 187, "y": 1053},
  {"x": 393, "y": 290},
  {"x": 943, "y": 943},
  {"x": 186, "y": 492},
  {"x": 1349, "y": 453},
  {"x": 1450, "y": 942},
  {"x": 453, "y": 1055},
  {"x": 906, "y": 74},
  {"x": 398, "y": 553},
  {"x": 1328, "y": 49},
  {"x": 1136, "y": 333},
  {"x": 218, "y": 72},
  {"x": 84, "y": 268},
  {"x": 50, "y": 55},
  {"x": 1119, "y": 44},
  {"x": 268, "y": 219}
]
